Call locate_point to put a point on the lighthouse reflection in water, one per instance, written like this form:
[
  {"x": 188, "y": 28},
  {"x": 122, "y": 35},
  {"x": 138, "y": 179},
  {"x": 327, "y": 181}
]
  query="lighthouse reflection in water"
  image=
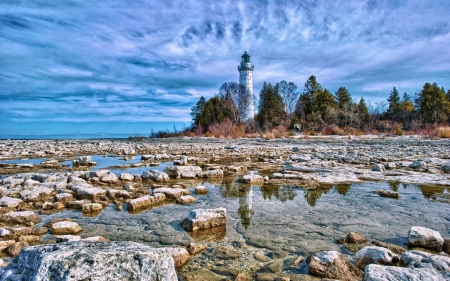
[{"x": 245, "y": 205}]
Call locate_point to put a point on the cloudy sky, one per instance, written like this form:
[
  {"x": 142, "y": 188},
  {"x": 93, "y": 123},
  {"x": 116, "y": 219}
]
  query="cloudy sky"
[{"x": 117, "y": 61}]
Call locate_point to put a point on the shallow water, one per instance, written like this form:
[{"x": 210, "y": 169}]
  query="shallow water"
[{"x": 279, "y": 218}]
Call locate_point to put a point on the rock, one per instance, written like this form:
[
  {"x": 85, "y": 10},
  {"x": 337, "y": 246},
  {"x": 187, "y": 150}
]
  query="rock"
[
  {"x": 126, "y": 177},
  {"x": 92, "y": 261},
  {"x": 300, "y": 157},
  {"x": 95, "y": 239},
  {"x": 331, "y": 264},
  {"x": 445, "y": 168},
  {"x": 67, "y": 238},
  {"x": 156, "y": 176},
  {"x": 92, "y": 208},
  {"x": 180, "y": 256},
  {"x": 419, "y": 259},
  {"x": 418, "y": 165},
  {"x": 271, "y": 267},
  {"x": 195, "y": 248},
  {"x": 35, "y": 230},
  {"x": 21, "y": 217},
  {"x": 375, "y": 272},
  {"x": 36, "y": 193},
  {"x": 298, "y": 261},
  {"x": 15, "y": 249},
  {"x": 187, "y": 199},
  {"x": 393, "y": 247},
  {"x": 425, "y": 237},
  {"x": 226, "y": 253},
  {"x": 388, "y": 193},
  {"x": 109, "y": 178},
  {"x": 352, "y": 237},
  {"x": 243, "y": 277},
  {"x": 28, "y": 238},
  {"x": 4, "y": 232},
  {"x": 204, "y": 218},
  {"x": 86, "y": 191},
  {"x": 9, "y": 202},
  {"x": 77, "y": 204},
  {"x": 218, "y": 173},
  {"x": 377, "y": 255},
  {"x": 172, "y": 193},
  {"x": 147, "y": 157},
  {"x": 177, "y": 171},
  {"x": 253, "y": 179},
  {"x": 83, "y": 161},
  {"x": 5, "y": 244},
  {"x": 390, "y": 165},
  {"x": 144, "y": 202},
  {"x": 203, "y": 275},
  {"x": 201, "y": 190},
  {"x": 64, "y": 197},
  {"x": 378, "y": 168},
  {"x": 65, "y": 227},
  {"x": 446, "y": 247}
]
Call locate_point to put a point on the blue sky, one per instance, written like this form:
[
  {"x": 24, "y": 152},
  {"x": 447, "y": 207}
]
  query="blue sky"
[{"x": 149, "y": 61}]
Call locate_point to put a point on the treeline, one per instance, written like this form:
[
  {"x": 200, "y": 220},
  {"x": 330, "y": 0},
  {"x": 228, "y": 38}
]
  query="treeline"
[{"x": 317, "y": 110}]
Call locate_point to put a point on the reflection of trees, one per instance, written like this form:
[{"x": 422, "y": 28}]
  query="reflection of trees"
[
  {"x": 342, "y": 189},
  {"x": 229, "y": 189},
  {"x": 282, "y": 193},
  {"x": 394, "y": 186},
  {"x": 430, "y": 192},
  {"x": 311, "y": 196}
]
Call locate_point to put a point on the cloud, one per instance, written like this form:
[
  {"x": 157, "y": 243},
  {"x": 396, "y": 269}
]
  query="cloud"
[{"x": 151, "y": 60}]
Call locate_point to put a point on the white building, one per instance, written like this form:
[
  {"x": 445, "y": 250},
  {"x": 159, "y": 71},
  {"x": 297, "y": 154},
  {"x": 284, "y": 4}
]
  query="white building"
[{"x": 246, "y": 79}]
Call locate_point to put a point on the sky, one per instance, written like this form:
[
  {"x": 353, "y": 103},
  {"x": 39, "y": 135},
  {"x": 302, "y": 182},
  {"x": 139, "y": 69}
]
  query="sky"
[{"x": 110, "y": 62}]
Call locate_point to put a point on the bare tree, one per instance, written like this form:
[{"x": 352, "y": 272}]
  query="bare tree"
[
  {"x": 240, "y": 97},
  {"x": 289, "y": 93}
]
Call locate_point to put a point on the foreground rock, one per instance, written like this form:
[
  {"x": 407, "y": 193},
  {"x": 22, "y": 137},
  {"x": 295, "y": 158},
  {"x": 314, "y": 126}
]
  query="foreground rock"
[
  {"x": 204, "y": 218},
  {"x": 425, "y": 237},
  {"x": 92, "y": 261},
  {"x": 333, "y": 265},
  {"x": 65, "y": 227},
  {"x": 374, "y": 272},
  {"x": 376, "y": 255},
  {"x": 21, "y": 217}
]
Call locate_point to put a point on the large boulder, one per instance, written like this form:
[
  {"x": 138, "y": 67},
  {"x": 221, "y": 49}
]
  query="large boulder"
[
  {"x": 145, "y": 202},
  {"x": 87, "y": 191},
  {"x": 426, "y": 238},
  {"x": 333, "y": 265},
  {"x": 204, "y": 218},
  {"x": 155, "y": 175},
  {"x": 377, "y": 255},
  {"x": 21, "y": 217},
  {"x": 172, "y": 193},
  {"x": 92, "y": 261},
  {"x": 36, "y": 193},
  {"x": 9, "y": 202},
  {"x": 375, "y": 272},
  {"x": 419, "y": 259},
  {"x": 177, "y": 171}
]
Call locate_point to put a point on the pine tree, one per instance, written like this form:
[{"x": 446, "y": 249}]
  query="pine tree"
[
  {"x": 363, "y": 114},
  {"x": 394, "y": 110},
  {"x": 346, "y": 107},
  {"x": 305, "y": 103},
  {"x": 271, "y": 110},
  {"x": 433, "y": 104},
  {"x": 322, "y": 101},
  {"x": 196, "y": 111}
]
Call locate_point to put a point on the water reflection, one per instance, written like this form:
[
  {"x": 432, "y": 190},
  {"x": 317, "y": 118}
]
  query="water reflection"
[
  {"x": 343, "y": 188},
  {"x": 394, "y": 186},
  {"x": 431, "y": 192},
  {"x": 311, "y": 196},
  {"x": 245, "y": 206},
  {"x": 280, "y": 192}
]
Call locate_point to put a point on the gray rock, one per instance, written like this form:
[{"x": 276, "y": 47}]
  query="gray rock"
[
  {"x": 92, "y": 261},
  {"x": 418, "y": 165},
  {"x": 300, "y": 157},
  {"x": 126, "y": 177},
  {"x": 155, "y": 175},
  {"x": 378, "y": 168},
  {"x": 204, "y": 218},
  {"x": 376, "y": 255},
  {"x": 9, "y": 202},
  {"x": 425, "y": 237},
  {"x": 177, "y": 171},
  {"x": 375, "y": 272},
  {"x": 332, "y": 264},
  {"x": 253, "y": 179},
  {"x": 218, "y": 173},
  {"x": 445, "y": 168},
  {"x": 419, "y": 259}
]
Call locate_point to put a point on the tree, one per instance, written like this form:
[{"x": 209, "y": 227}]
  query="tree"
[
  {"x": 323, "y": 100},
  {"x": 345, "y": 105},
  {"x": 305, "y": 103},
  {"x": 363, "y": 114},
  {"x": 271, "y": 110},
  {"x": 433, "y": 105},
  {"x": 394, "y": 109},
  {"x": 196, "y": 111},
  {"x": 240, "y": 97},
  {"x": 289, "y": 93}
]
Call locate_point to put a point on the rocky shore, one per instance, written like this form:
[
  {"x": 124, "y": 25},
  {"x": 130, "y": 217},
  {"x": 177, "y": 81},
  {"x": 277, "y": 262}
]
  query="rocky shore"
[{"x": 60, "y": 177}]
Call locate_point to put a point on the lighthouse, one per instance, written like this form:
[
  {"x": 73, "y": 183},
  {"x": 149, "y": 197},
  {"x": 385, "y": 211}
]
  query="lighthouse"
[{"x": 246, "y": 79}]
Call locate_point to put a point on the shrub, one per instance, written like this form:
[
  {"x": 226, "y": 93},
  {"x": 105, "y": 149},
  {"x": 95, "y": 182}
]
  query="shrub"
[
  {"x": 270, "y": 136},
  {"x": 443, "y": 132},
  {"x": 226, "y": 129},
  {"x": 279, "y": 131},
  {"x": 398, "y": 131}
]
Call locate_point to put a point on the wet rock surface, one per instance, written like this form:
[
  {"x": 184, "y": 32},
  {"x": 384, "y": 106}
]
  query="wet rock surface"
[{"x": 307, "y": 198}]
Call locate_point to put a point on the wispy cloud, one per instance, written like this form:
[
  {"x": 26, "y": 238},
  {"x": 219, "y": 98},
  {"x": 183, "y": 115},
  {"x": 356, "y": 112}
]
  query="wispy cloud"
[{"x": 151, "y": 60}]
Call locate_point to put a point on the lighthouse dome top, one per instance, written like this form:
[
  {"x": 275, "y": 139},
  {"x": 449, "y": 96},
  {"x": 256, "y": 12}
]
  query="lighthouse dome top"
[{"x": 245, "y": 57}]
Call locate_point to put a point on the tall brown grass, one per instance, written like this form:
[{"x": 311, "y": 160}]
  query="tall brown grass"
[
  {"x": 443, "y": 132},
  {"x": 226, "y": 129}
]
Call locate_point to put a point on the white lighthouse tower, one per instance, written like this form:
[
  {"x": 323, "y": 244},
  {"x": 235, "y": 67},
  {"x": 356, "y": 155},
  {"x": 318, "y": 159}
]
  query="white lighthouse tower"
[{"x": 246, "y": 79}]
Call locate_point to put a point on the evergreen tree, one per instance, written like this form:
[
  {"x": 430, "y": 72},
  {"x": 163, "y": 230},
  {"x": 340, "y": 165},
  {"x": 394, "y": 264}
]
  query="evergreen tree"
[
  {"x": 322, "y": 101},
  {"x": 271, "y": 110},
  {"x": 346, "y": 107},
  {"x": 196, "y": 111},
  {"x": 363, "y": 114},
  {"x": 305, "y": 103},
  {"x": 394, "y": 110},
  {"x": 433, "y": 104}
]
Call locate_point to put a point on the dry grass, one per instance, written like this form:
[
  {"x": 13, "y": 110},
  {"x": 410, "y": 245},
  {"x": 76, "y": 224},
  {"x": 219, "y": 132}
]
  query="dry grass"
[
  {"x": 226, "y": 129},
  {"x": 269, "y": 136},
  {"x": 279, "y": 131},
  {"x": 443, "y": 132}
]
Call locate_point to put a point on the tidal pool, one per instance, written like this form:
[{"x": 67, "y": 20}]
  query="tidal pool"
[{"x": 278, "y": 218}]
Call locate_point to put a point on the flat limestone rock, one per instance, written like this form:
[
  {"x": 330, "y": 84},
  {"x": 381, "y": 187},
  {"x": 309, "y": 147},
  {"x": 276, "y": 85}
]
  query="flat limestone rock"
[
  {"x": 92, "y": 261},
  {"x": 204, "y": 218},
  {"x": 21, "y": 217},
  {"x": 9, "y": 202},
  {"x": 65, "y": 227},
  {"x": 375, "y": 272},
  {"x": 172, "y": 193}
]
